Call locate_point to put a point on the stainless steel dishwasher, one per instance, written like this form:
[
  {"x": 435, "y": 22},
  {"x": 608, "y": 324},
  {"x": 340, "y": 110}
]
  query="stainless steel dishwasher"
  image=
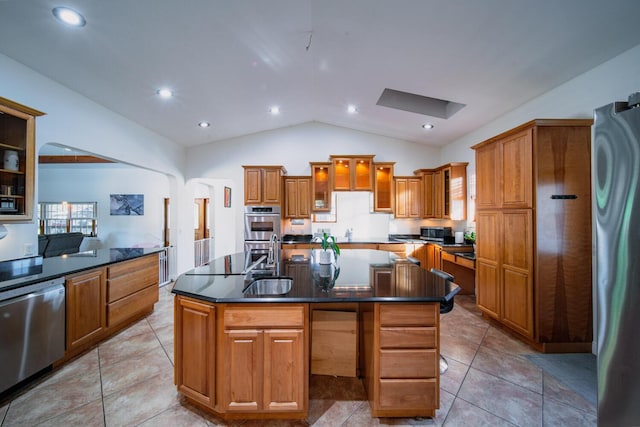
[{"x": 32, "y": 330}]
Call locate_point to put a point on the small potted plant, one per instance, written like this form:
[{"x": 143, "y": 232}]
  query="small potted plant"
[
  {"x": 470, "y": 237},
  {"x": 328, "y": 242}
]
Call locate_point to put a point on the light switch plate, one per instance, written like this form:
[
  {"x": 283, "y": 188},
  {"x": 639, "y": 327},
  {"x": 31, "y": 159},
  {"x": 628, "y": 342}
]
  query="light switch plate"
[{"x": 29, "y": 249}]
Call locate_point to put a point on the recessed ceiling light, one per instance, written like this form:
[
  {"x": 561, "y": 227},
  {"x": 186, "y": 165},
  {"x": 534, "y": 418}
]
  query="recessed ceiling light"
[
  {"x": 352, "y": 109},
  {"x": 427, "y": 126},
  {"x": 274, "y": 110},
  {"x": 69, "y": 16},
  {"x": 165, "y": 93},
  {"x": 204, "y": 124}
]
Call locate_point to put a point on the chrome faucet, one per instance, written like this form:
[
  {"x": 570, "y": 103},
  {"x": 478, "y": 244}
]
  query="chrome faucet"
[{"x": 273, "y": 250}]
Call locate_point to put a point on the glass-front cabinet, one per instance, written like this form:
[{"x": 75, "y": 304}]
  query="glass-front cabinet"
[
  {"x": 321, "y": 186},
  {"x": 352, "y": 173},
  {"x": 17, "y": 170}
]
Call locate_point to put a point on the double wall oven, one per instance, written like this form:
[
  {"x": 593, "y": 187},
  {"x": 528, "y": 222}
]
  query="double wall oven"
[{"x": 260, "y": 224}]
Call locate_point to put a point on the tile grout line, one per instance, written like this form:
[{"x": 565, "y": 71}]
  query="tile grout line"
[{"x": 104, "y": 411}]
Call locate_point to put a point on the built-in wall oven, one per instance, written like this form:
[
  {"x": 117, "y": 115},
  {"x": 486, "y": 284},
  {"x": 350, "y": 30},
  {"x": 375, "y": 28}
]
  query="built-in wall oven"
[{"x": 260, "y": 224}]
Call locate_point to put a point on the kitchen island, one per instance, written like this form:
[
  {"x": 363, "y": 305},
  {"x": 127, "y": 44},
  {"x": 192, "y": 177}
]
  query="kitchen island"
[{"x": 243, "y": 351}]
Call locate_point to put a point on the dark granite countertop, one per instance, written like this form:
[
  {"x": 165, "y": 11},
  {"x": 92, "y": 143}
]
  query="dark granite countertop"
[
  {"x": 60, "y": 266},
  {"x": 356, "y": 274}
]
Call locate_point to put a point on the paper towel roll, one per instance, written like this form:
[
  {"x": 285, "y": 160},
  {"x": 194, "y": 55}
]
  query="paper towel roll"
[{"x": 459, "y": 237}]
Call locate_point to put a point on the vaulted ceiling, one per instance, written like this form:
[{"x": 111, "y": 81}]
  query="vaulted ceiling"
[{"x": 229, "y": 61}]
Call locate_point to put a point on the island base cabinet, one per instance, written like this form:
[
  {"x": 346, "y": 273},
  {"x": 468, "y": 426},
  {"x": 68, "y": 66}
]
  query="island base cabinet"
[
  {"x": 401, "y": 357},
  {"x": 263, "y": 361},
  {"x": 195, "y": 350}
]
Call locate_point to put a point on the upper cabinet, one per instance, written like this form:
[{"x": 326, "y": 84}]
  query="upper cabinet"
[
  {"x": 321, "y": 187},
  {"x": 297, "y": 197},
  {"x": 505, "y": 168},
  {"x": 17, "y": 144},
  {"x": 444, "y": 191},
  {"x": 383, "y": 191},
  {"x": 263, "y": 185},
  {"x": 352, "y": 173},
  {"x": 408, "y": 197}
]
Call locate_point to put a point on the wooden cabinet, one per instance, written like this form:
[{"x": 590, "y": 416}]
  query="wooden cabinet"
[
  {"x": 402, "y": 359},
  {"x": 533, "y": 224},
  {"x": 297, "y": 198},
  {"x": 104, "y": 300},
  {"x": 195, "y": 350},
  {"x": 408, "y": 201},
  {"x": 352, "y": 173},
  {"x": 383, "y": 188},
  {"x": 132, "y": 288},
  {"x": 444, "y": 191},
  {"x": 264, "y": 366},
  {"x": 321, "y": 187},
  {"x": 17, "y": 157},
  {"x": 263, "y": 185},
  {"x": 86, "y": 308}
]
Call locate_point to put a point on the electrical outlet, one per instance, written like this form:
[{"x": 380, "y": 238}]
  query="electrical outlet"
[{"x": 29, "y": 249}]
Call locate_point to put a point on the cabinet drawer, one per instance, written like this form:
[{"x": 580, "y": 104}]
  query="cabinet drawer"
[
  {"x": 124, "y": 285},
  {"x": 409, "y": 314},
  {"x": 264, "y": 317},
  {"x": 446, "y": 256},
  {"x": 409, "y": 363},
  {"x": 466, "y": 262},
  {"x": 128, "y": 267},
  {"x": 127, "y": 307},
  {"x": 419, "y": 394},
  {"x": 425, "y": 337}
]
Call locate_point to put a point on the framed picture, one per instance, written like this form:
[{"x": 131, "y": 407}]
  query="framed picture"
[
  {"x": 127, "y": 204},
  {"x": 227, "y": 197}
]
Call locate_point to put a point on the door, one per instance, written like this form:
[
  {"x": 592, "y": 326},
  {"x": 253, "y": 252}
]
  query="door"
[
  {"x": 242, "y": 372},
  {"x": 200, "y": 219},
  {"x": 195, "y": 350},
  {"x": 86, "y": 304},
  {"x": 284, "y": 370}
]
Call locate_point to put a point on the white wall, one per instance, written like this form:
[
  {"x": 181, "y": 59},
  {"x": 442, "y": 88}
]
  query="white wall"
[
  {"x": 95, "y": 183},
  {"x": 294, "y": 147},
  {"x": 75, "y": 121}
]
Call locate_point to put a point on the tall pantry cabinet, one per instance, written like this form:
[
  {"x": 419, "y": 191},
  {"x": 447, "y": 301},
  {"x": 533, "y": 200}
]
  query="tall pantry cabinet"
[{"x": 533, "y": 224}]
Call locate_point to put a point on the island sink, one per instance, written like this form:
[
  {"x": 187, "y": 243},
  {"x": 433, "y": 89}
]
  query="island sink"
[{"x": 269, "y": 286}]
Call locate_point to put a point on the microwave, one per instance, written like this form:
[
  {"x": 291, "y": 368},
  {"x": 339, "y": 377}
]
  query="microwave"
[{"x": 436, "y": 234}]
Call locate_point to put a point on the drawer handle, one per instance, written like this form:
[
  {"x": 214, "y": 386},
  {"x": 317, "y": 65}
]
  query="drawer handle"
[{"x": 563, "y": 197}]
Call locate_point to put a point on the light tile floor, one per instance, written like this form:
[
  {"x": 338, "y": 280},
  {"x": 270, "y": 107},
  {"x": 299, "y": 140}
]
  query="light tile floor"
[{"x": 128, "y": 381}]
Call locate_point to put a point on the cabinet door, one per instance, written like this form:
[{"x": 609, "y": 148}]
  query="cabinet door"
[
  {"x": 383, "y": 188},
  {"x": 195, "y": 350},
  {"x": 284, "y": 376},
  {"x": 455, "y": 197},
  {"x": 86, "y": 296},
  {"x": 517, "y": 271},
  {"x": 341, "y": 174},
  {"x": 516, "y": 170},
  {"x": 252, "y": 186},
  {"x": 487, "y": 262},
  {"x": 438, "y": 194},
  {"x": 271, "y": 186},
  {"x": 290, "y": 198},
  {"x": 362, "y": 174},
  {"x": 487, "y": 177},
  {"x": 414, "y": 200},
  {"x": 304, "y": 198},
  {"x": 321, "y": 187},
  {"x": 427, "y": 196},
  {"x": 242, "y": 374}
]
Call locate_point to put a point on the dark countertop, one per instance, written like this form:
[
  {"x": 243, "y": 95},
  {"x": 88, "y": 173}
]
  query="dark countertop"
[
  {"x": 60, "y": 266},
  {"x": 391, "y": 238},
  {"x": 356, "y": 273}
]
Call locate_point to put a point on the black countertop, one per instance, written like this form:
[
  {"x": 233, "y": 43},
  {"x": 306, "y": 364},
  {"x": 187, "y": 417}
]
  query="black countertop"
[
  {"x": 60, "y": 266},
  {"x": 355, "y": 273}
]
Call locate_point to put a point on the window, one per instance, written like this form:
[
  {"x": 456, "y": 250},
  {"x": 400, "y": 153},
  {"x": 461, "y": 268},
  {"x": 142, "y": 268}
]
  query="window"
[{"x": 66, "y": 217}]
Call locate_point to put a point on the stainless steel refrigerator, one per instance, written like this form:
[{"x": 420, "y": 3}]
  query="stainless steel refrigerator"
[{"x": 617, "y": 197}]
